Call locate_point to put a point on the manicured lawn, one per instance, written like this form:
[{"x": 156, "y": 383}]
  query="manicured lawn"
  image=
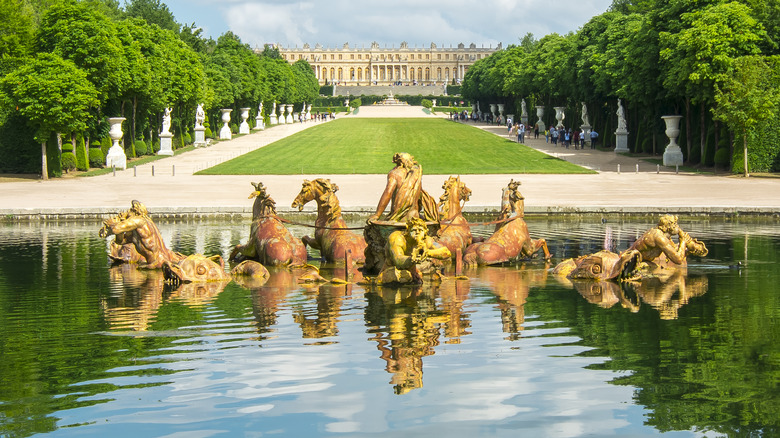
[{"x": 366, "y": 146}]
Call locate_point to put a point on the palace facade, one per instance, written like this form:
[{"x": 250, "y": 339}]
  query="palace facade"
[{"x": 388, "y": 66}]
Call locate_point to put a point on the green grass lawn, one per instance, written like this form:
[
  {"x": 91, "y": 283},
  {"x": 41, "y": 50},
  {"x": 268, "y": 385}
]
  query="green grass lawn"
[{"x": 366, "y": 146}]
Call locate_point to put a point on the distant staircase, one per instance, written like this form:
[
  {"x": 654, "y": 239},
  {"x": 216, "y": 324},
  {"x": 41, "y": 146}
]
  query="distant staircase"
[{"x": 387, "y": 90}]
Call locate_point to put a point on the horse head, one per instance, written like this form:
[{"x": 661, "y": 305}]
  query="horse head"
[
  {"x": 455, "y": 192},
  {"x": 263, "y": 205},
  {"x": 512, "y": 202}
]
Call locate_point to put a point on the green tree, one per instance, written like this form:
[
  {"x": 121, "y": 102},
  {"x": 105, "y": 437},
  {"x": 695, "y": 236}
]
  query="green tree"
[
  {"x": 17, "y": 29},
  {"x": 747, "y": 97},
  {"x": 154, "y": 12},
  {"x": 76, "y": 32},
  {"x": 700, "y": 55},
  {"x": 53, "y": 95},
  {"x": 306, "y": 84}
]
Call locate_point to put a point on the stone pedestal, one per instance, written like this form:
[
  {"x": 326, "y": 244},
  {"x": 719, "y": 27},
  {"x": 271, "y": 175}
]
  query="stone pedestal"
[
  {"x": 259, "y": 122},
  {"x": 244, "y": 127},
  {"x": 288, "y": 111},
  {"x": 224, "y": 133},
  {"x": 621, "y": 141},
  {"x": 200, "y": 136},
  {"x": 586, "y": 132},
  {"x": 166, "y": 144},
  {"x": 273, "y": 119},
  {"x": 539, "y": 121},
  {"x": 672, "y": 154},
  {"x": 116, "y": 155}
]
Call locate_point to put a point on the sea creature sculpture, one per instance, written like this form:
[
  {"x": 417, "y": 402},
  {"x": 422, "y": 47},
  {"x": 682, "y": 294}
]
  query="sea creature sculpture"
[
  {"x": 455, "y": 232},
  {"x": 194, "y": 269},
  {"x": 270, "y": 242},
  {"x": 137, "y": 238},
  {"x": 511, "y": 240},
  {"x": 331, "y": 238}
]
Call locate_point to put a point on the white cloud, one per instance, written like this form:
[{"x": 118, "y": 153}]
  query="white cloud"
[{"x": 336, "y": 22}]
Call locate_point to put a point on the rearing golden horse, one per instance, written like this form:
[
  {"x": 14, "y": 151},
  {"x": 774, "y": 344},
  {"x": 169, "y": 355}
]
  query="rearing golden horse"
[
  {"x": 511, "y": 240},
  {"x": 331, "y": 237},
  {"x": 455, "y": 231}
]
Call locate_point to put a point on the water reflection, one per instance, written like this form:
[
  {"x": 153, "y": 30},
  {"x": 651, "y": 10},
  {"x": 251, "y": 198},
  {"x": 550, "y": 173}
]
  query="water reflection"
[{"x": 694, "y": 352}]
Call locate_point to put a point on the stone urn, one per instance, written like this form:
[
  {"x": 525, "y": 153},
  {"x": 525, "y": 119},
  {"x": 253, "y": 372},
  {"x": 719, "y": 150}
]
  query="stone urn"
[
  {"x": 560, "y": 115},
  {"x": 244, "y": 127},
  {"x": 273, "y": 119},
  {"x": 289, "y": 118},
  {"x": 501, "y": 109},
  {"x": 224, "y": 133},
  {"x": 539, "y": 115},
  {"x": 116, "y": 155},
  {"x": 672, "y": 154}
]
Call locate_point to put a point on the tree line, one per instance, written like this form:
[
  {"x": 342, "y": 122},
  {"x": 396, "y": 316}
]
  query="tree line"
[
  {"x": 713, "y": 62},
  {"x": 68, "y": 65}
]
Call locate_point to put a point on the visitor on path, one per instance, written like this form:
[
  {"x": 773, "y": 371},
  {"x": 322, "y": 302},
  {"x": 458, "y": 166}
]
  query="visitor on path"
[
  {"x": 554, "y": 135},
  {"x": 521, "y": 133},
  {"x": 536, "y": 131},
  {"x": 567, "y": 138},
  {"x": 582, "y": 139},
  {"x": 594, "y": 136},
  {"x": 576, "y": 139}
]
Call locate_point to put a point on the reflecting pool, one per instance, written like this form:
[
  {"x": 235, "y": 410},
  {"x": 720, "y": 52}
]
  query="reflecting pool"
[{"x": 87, "y": 349}]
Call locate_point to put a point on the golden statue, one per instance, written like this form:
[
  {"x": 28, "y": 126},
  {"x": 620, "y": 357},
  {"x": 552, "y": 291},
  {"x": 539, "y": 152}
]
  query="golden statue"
[
  {"x": 656, "y": 244},
  {"x": 135, "y": 227},
  {"x": 404, "y": 189},
  {"x": 408, "y": 254}
]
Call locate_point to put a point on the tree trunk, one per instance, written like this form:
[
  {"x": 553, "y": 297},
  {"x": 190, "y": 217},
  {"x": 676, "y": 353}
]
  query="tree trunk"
[
  {"x": 717, "y": 138},
  {"x": 135, "y": 109},
  {"x": 744, "y": 151},
  {"x": 44, "y": 164},
  {"x": 688, "y": 139},
  {"x": 703, "y": 129}
]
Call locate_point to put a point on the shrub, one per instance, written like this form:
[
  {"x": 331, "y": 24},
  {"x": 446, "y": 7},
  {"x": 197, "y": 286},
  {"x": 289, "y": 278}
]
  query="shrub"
[
  {"x": 68, "y": 161},
  {"x": 156, "y": 146},
  {"x": 208, "y": 134},
  {"x": 187, "y": 138},
  {"x": 426, "y": 103},
  {"x": 96, "y": 157},
  {"x": 355, "y": 103},
  {"x": 82, "y": 160},
  {"x": 722, "y": 157},
  {"x": 140, "y": 147},
  {"x": 234, "y": 128},
  {"x": 105, "y": 145},
  {"x": 67, "y": 146}
]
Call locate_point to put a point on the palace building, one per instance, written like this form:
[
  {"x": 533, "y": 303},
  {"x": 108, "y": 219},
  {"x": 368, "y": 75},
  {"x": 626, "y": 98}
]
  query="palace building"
[{"x": 388, "y": 66}]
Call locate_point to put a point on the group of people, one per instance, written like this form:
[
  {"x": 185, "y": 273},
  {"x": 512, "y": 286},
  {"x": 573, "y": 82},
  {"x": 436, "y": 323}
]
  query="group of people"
[
  {"x": 567, "y": 137},
  {"x": 519, "y": 131}
]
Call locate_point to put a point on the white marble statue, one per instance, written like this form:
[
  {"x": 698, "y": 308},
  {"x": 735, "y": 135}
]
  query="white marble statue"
[
  {"x": 621, "y": 116},
  {"x": 585, "y": 118},
  {"x": 523, "y": 110},
  {"x": 200, "y": 116},
  {"x": 166, "y": 122}
]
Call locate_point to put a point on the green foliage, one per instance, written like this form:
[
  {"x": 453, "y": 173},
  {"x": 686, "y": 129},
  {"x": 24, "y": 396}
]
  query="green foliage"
[
  {"x": 326, "y": 90},
  {"x": 105, "y": 145},
  {"x": 207, "y": 133},
  {"x": 82, "y": 160},
  {"x": 355, "y": 103},
  {"x": 96, "y": 157},
  {"x": 153, "y": 12},
  {"x": 17, "y": 28},
  {"x": 234, "y": 128},
  {"x": 453, "y": 90},
  {"x": 722, "y": 157},
  {"x": 52, "y": 94},
  {"x": 19, "y": 152},
  {"x": 187, "y": 138},
  {"x": 140, "y": 147},
  {"x": 426, "y": 103},
  {"x": 67, "y": 146},
  {"x": 68, "y": 161},
  {"x": 745, "y": 99}
]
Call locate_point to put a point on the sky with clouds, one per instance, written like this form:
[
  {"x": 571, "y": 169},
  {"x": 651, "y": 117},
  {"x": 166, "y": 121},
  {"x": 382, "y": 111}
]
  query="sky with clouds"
[{"x": 420, "y": 23}]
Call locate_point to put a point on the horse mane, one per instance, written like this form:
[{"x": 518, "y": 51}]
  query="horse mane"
[{"x": 329, "y": 200}]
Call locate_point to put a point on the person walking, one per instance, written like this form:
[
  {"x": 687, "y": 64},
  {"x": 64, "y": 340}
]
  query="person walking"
[
  {"x": 576, "y": 139},
  {"x": 594, "y": 136},
  {"x": 554, "y": 134}
]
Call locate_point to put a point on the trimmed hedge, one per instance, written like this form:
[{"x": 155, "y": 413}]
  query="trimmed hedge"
[
  {"x": 82, "y": 160},
  {"x": 140, "y": 147},
  {"x": 68, "y": 161},
  {"x": 96, "y": 157}
]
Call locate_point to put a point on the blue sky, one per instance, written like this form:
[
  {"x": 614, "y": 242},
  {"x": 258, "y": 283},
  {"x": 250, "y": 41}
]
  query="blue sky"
[{"x": 335, "y": 22}]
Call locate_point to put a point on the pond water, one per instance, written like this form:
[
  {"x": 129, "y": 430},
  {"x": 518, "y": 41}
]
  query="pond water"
[{"x": 92, "y": 350}]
